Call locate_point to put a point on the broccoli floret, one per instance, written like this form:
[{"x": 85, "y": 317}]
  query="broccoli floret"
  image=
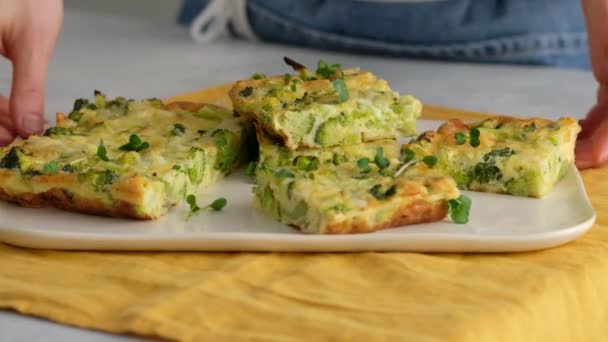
[
  {"x": 80, "y": 104},
  {"x": 224, "y": 140},
  {"x": 329, "y": 133},
  {"x": 58, "y": 131},
  {"x": 15, "y": 158},
  {"x": 10, "y": 160},
  {"x": 306, "y": 163},
  {"x": 298, "y": 124},
  {"x": 119, "y": 104},
  {"x": 197, "y": 171},
  {"x": 99, "y": 179},
  {"x": 485, "y": 173},
  {"x": 503, "y": 152}
]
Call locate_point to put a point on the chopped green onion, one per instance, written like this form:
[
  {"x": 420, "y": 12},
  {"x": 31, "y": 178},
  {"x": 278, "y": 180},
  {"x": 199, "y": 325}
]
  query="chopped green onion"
[
  {"x": 341, "y": 88},
  {"x": 258, "y": 76}
]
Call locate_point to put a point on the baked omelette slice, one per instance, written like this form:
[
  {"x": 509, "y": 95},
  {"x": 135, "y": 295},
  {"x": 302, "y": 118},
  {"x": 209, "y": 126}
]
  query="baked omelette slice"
[
  {"x": 326, "y": 108},
  {"x": 371, "y": 190},
  {"x": 522, "y": 157},
  {"x": 123, "y": 158}
]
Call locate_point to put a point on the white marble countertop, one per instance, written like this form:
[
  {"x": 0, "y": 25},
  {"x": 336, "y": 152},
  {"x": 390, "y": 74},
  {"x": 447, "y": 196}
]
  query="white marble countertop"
[{"x": 137, "y": 58}]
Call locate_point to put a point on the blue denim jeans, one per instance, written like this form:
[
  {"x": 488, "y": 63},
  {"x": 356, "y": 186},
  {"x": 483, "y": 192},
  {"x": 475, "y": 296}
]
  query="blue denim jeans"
[{"x": 544, "y": 32}]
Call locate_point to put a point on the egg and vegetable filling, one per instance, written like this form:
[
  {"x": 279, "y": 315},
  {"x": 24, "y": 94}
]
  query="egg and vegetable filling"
[
  {"x": 522, "y": 157},
  {"x": 328, "y": 107},
  {"x": 124, "y": 157},
  {"x": 353, "y": 189}
]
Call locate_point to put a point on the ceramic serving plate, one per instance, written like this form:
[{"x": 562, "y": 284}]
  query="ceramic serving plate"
[{"x": 498, "y": 223}]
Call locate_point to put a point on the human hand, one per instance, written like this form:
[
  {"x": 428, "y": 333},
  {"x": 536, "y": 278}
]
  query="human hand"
[
  {"x": 592, "y": 144},
  {"x": 28, "y": 31}
]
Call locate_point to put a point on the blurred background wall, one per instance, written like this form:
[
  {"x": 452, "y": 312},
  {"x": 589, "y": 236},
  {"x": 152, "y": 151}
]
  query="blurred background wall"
[{"x": 164, "y": 11}]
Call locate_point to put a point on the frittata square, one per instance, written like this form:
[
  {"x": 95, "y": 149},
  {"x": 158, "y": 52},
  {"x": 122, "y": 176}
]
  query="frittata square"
[
  {"x": 123, "y": 157},
  {"x": 522, "y": 157},
  {"x": 326, "y": 108},
  {"x": 349, "y": 189}
]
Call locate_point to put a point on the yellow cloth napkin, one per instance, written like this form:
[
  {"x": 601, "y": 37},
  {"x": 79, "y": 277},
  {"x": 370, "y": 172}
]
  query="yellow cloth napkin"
[{"x": 559, "y": 294}]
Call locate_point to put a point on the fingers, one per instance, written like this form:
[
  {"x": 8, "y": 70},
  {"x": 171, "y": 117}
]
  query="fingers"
[
  {"x": 30, "y": 49},
  {"x": 598, "y": 113},
  {"x": 593, "y": 152},
  {"x": 584, "y": 154},
  {"x": 6, "y": 130}
]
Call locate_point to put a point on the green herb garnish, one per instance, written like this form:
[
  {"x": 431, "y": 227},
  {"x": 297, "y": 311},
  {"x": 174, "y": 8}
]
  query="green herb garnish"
[
  {"x": 102, "y": 153},
  {"x": 246, "y": 92},
  {"x": 293, "y": 87},
  {"x": 407, "y": 155},
  {"x": 341, "y": 88},
  {"x": 430, "y": 161},
  {"x": 135, "y": 144},
  {"x": 177, "y": 167},
  {"x": 460, "y": 138},
  {"x": 218, "y": 204},
  {"x": 474, "y": 137},
  {"x": 380, "y": 160},
  {"x": 363, "y": 164},
  {"x": 459, "y": 209},
  {"x": 287, "y": 78},
  {"x": 325, "y": 70},
  {"x": 191, "y": 200},
  {"x": 50, "y": 168},
  {"x": 178, "y": 129}
]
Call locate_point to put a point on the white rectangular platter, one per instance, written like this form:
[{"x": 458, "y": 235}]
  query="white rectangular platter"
[{"x": 498, "y": 223}]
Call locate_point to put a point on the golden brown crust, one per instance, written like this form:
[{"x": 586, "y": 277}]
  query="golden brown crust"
[
  {"x": 58, "y": 198},
  {"x": 418, "y": 211}
]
